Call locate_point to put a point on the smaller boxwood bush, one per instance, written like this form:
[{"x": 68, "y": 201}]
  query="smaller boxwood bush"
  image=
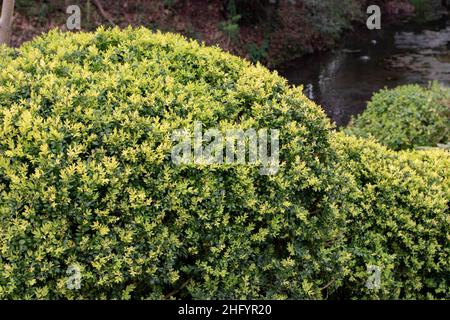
[
  {"x": 406, "y": 117},
  {"x": 397, "y": 219}
]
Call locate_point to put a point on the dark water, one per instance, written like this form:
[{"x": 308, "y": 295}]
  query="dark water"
[{"x": 343, "y": 80}]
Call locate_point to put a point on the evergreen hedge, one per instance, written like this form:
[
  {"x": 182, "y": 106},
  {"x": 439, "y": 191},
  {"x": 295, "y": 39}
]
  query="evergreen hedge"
[{"x": 397, "y": 219}]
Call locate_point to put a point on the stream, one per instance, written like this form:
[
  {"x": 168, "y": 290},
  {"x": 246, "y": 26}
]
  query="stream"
[{"x": 343, "y": 80}]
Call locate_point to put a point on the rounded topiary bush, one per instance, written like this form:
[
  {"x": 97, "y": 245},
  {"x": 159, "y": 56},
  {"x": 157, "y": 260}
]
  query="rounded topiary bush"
[
  {"x": 406, "y": 117},
  {"x": 87, "y": 182},
  {"x": 397, "y": 220}
]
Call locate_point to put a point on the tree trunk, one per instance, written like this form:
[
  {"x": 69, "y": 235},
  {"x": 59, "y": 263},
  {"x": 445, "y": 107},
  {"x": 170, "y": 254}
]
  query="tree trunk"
[{"x": 5, "y": 21}]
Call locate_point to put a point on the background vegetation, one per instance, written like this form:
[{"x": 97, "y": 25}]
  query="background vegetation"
[{"x": 261, "y": 30}]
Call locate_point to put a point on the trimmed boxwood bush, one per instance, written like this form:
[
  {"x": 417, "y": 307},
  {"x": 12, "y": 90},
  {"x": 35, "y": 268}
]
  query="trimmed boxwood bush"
[
  {"x": 86, "y": 177},
  {"x": 398, "y": 220},
  {"x": 406, "y": 117},
  {"x": 86, "y": 180}
]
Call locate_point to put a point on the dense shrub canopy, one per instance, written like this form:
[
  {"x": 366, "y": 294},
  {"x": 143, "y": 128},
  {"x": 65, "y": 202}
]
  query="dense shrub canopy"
[
  {"x": 86, "y": 176},
  {"x": 397, "y": 219},
  {"x": 86, "y": 180},
  {"x": 406, "y": 117}
]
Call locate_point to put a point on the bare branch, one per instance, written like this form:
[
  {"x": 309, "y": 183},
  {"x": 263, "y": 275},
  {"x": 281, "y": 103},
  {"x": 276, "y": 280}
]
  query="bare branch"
[
  {"x": 102, "y": 11},
  {"x": 178, "y": 290}
]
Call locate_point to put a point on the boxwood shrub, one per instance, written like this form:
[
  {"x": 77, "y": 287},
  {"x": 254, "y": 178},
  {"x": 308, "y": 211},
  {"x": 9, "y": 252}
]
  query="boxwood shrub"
[
  {"x": 86, "y": 178},
  {"x": 406, "y": 117},
  {"x": 398, "y": 220}
]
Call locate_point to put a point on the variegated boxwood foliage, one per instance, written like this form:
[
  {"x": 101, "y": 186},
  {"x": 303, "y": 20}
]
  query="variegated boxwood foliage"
[
  {"x": 406, "y": 117},
  {"x": 86, "y": 177},
  {"x": 398, "y": 219}
]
